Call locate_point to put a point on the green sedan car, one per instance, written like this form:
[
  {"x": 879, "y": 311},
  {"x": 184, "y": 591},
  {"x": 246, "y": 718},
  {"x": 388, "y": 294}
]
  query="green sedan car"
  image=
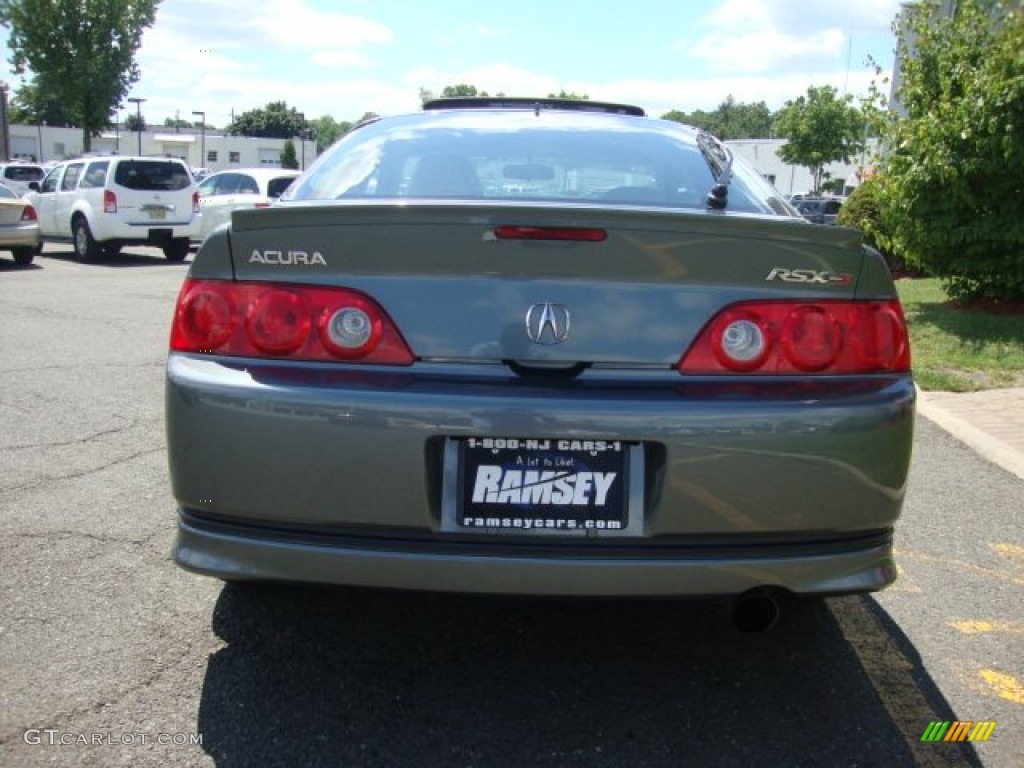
[{"x": 539, "y": 347}]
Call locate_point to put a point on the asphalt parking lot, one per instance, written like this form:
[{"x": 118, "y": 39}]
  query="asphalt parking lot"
[{"x": 112, "y": 656}]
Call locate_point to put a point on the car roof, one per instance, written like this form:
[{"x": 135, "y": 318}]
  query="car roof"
[{"x": 259, "y": 173}]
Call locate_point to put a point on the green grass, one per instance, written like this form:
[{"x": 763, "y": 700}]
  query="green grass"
[{"x": 957, "y": 349}]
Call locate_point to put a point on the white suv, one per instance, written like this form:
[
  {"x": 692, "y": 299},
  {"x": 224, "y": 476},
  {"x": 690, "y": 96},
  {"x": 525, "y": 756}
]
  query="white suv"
[{"x": 100, "y": 204}]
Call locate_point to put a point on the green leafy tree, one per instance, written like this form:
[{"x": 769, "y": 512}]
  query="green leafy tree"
[
  {"x": 288, "y": 158},
  {"x": 821, "y": 128},
  {"x": 953, "y": 189},
  {"x": 327, "y": 130},
  {"x": 31, "y": 106},
  {"x": 275, "y": 121},
  {"x": 80, "y": 53},
  {"x": 461, "y": 90},
  {"x": 729, "y": 120},
  {"x": 135, "y": 122}
]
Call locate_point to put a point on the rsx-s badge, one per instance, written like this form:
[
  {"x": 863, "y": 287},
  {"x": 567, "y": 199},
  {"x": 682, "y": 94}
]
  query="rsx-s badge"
[
  {"x": 547, "y": 323},
  {"x": 288, "y": 257},
  {"x": 809, "y": 276}
]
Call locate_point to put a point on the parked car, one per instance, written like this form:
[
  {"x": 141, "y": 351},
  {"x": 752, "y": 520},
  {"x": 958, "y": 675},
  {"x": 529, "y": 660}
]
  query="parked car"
[
  {"x": 104, "y": 203},
  {"x": 227, "y": 191},
  {"x": 17, "y": 176},
  {"x": 819, "y": 210},
  {"x": 544, "y": 347},
  {"x": 19, "y": 226}
]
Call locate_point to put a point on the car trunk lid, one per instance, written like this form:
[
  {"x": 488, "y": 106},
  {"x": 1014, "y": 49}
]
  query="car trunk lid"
[{"x": 459, "y": 290}]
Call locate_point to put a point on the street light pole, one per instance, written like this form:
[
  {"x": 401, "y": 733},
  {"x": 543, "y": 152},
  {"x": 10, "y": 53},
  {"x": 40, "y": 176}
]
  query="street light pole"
[
  {"x": 302, "y": 141},
  {"x": 138, "y": 117},
  {"x": 202, "y": 137}
]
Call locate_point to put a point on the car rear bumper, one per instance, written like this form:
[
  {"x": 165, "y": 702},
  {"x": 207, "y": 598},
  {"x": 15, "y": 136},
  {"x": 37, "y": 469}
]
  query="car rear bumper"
[
  {"x": 229, "y": 552},
  {"x": 146, "y": 233},
  {"x": 310, "y": 473},
  {"x": 19, "y": 237}
]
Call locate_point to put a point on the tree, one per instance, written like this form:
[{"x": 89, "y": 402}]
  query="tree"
[
  {"x": 135, "y": 122},
  {"x": 30, "y": 106},
  {"x": 275, "y": 121},
  {"x": 327, "y": 130},
  {"x": 952, "y": 195},
  {"x": 462, "y": 90},
  {"x": 81, "y": 53},
  {"x": 177, "y": 122},
  {"x": 820, "y": 128},
  {"x": 729, "y": 120},
  {"x": 288, "y": 158}
]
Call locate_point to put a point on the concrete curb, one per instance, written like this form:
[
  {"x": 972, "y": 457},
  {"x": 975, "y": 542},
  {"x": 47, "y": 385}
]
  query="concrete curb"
[{"x": 992, "y": 448}]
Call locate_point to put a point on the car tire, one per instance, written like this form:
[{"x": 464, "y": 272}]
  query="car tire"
[
  {"x": 23, "y": 256},
  {"x": 86, "y": 247},
  {"x": 176, "y": 250}
]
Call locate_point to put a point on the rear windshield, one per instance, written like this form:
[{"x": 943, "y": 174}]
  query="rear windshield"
[
  {"x": 276, "y": 187},
  {"x": 152, "y": 175},
  {"x": 520, "y": 156},
  {"x": 23, "y": 173}
]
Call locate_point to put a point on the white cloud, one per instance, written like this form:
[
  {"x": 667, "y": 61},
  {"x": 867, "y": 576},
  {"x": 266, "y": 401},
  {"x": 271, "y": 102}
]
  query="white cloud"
[{"x": 760, "y": 35}]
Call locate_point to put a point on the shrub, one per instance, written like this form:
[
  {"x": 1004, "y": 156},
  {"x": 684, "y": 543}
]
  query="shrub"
[
  {"x": 862, "y": 211},
  {"x": 952, "y": 199}
]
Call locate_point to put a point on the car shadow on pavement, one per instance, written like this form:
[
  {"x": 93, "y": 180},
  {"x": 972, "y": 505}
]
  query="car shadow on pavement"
[
  {"x": 7, "y": 265},
  {"x": 312, "y": 676},
  {"x": 126, "y": 258}
]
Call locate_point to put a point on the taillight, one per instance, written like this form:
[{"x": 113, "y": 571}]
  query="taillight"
[
  {"x": 28, "y": 213},
  {"x": 109, "y": 201},
  {"x": 262, "y": 204},
  {"x": 828, "y": 337},
  {"x": 195, "y": 202},
  {"x": 586, "y": 234},
  {"x": 292, "y": 322}
]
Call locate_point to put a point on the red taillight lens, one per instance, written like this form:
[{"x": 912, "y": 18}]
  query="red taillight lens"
[
  {"x": 109, "y": 201},
  {"x": 204, "y": 319},
  {"x": 195, "y": 202},
  {"x": 277, "y": 321},
  {"x": 293, "y": 322},
  {"x": 261, "y": 204},
  {"x": 829, "y": 337},
  {"x": 28, "y": 213}
]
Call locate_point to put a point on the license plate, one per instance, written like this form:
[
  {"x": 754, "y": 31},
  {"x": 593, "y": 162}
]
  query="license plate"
[
  {"x": 157, "y": 213},
  {"x": 543, "y": 486}
]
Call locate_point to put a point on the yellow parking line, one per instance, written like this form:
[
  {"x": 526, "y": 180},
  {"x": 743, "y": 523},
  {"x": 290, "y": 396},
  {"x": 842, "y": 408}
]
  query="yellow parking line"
[
  {"x": 970, "y": 567},
  {"x": 1004, "y": 686},
  {"x": 1009, "y": 551},
  {"x": 903, "y": 582},
  {"x": 978, "y": 627}
]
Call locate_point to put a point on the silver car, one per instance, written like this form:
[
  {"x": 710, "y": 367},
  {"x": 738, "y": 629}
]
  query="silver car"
[
  {"x": 19, "y": 227},
  {"x": 539, "y": 347}
]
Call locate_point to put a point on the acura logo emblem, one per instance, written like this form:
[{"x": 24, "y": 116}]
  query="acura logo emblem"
[{"x": 547, "y": 323}]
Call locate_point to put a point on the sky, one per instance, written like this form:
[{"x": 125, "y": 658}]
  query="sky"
[{"x": 344, "y": 58}]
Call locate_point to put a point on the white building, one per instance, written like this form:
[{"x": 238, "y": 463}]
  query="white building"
[
  {"x": 763, "y": 154},
  {"x": 214, "y": 150}
]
